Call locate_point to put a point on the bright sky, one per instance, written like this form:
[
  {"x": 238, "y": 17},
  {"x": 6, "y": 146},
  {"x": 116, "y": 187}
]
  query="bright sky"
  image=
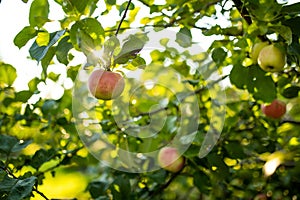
[{"x": 14, "y": 16}]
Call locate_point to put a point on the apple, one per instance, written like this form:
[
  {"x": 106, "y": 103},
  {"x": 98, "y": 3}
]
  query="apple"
[
  {"x": 271, "y": 58},
  {"x": 274, "y": 110},
  {"x": 260, "y": 197},
  {"x": 169, "y": 159},
  {"x": 105, "y": 85},
  {"x": 257, "y": 47}
]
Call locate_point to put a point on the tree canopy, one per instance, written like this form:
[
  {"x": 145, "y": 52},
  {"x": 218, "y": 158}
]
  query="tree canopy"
[{"x": 203, "y": 98}]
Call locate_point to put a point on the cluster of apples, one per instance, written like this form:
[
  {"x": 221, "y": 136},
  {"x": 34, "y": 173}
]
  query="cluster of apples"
[{"x": 270, "y": 58}]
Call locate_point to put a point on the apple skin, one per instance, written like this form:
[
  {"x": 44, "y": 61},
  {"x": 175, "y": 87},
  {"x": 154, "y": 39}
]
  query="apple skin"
[
  {"x": 257, "y": 47},
  {"x": 271, "y": 59},
  {"x": 170, "y": 160},
  {"x": 105, "y": 85},
  {"x": 260, "y": 197},
  {"x": 274, "y": 110}
]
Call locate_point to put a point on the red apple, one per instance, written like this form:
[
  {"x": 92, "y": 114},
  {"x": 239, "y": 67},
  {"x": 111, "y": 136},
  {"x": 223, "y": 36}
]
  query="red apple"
[
  {"x": 105, "y": 85},
  {"x": 260, "y": 197},
  {"x": 274, "y": 110},
  {"x": 169, "y": 159}
]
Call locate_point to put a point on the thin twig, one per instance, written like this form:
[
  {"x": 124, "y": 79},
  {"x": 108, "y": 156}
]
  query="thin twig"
[{"x": 123, "y": 17}]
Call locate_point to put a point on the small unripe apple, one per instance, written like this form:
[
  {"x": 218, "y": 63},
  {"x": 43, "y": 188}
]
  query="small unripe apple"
[
  {"x": 271, "y": 59},
  {"x": 257, "y": 47},
  {"x": 105, "y": 85},
  {"x": 169, "y": 159},
  {"x": 274, "y": 110}
]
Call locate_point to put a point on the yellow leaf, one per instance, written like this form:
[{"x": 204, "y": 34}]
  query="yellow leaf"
[{"x": 43, "y": 39}]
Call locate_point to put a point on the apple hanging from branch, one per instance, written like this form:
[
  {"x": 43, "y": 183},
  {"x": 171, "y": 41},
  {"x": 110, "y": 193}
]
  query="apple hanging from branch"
[
  {"x": 105, "y": 85},
  {"x": 271, "y": 58},
  {"x": 257, "y": 47},
  {"x": 170, "y": 159},
  {"x": 274, "y": 110}
]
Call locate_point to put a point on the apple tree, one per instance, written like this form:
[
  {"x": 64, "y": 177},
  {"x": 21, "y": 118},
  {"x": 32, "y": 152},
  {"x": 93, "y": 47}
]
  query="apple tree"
[{"x": 199, "y": 82}]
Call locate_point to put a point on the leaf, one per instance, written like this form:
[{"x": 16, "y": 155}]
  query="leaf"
[
  {"x": 132, "y": 46},
  {"x": 87, "y": 28},
  {"x": 39, "y": 11},
  {"x": 291, "y": 9},
  {"x": 237, "y": 76},
  {"x": 47, "y": 60},
  {"x": 38, "y": 52},
  {"x": 184, "y": 37},
  {"x": 43, "y": 38},
  {"x": 255, "y": 80},
  {"x": 7, "y": 184},
  {"x": 41, "y": 156},
  {"x": 291, "y": 92},
  {"x": 62, "y": 50},
  {"x": 235, "y": 150},
  {"x": 9, "y": 144},
  {"x": 22, "y": 189},
  {"x": 32, "y": 84},
  {"x": 293, "y": 23},
  {"x": 27, "y": 33},
  {"x": 261, "y": 86},
  {"x": 121, "y": 188},
  {"x": 97, "y": 188},
  {"x": 202, "y": 182},
  {"x": 8, "y": 74},
  {"x": 219, "y": 55},
  {"x": 124, "y": 5},
  {"x": 23, "y": 96},
  {"x": 284, "y": 31}
]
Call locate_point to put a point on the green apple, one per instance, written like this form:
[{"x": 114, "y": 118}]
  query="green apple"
[
  {"x": 105, "y": 85},
  {"x": 274, "y": 110},
  {"x": 257, "y": 47},
  {"x": 170, "y": 159},
  {"x": 271, "y": 59}
]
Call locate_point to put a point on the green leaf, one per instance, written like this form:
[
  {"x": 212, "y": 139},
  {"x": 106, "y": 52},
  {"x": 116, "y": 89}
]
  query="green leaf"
[
  {"x": 7, "y": 184},
  {"x": 184, "y": 37},
  {"x": 22, "y": 189},
  {"x": 9, "y": 144},
  {"x": 8, "y": 74},
  {"x": 23, "y": 96},
  {"x": 47, "y": 59},
  {"x": 121, "y": 188},
  {"x": 97, "y": 188},
  {"x": 88, "y": 27},
  {"x": 42, "y": 156},
  {"x": 261, "y": 86},
  {"x": 124, "y": 5},
  {"x": 24, "y": 36},
  {"x": 291, "y": 9},
  {"x": 202, "y": 182},
  {"x": 49, "y": 107},
  {"x": 291, "y": 92},
  {"x": 62, "y": 50},
  {"x": 293, "y": 23},
  {"x": 219, "y": 55},
  {"x": 38, "y": 14},
  {"x": 234, "y": 149},
  {"x": 32, "y": 84},
  {"x": 237, "y": 76},
  {"x": 284, "y": 31},
  {"x": 38, "y": 52},
  {"x": 132, "y": 46}
]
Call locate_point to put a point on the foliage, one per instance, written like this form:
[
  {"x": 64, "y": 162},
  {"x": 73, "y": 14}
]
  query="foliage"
[{"x": 39, "y": 136}]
